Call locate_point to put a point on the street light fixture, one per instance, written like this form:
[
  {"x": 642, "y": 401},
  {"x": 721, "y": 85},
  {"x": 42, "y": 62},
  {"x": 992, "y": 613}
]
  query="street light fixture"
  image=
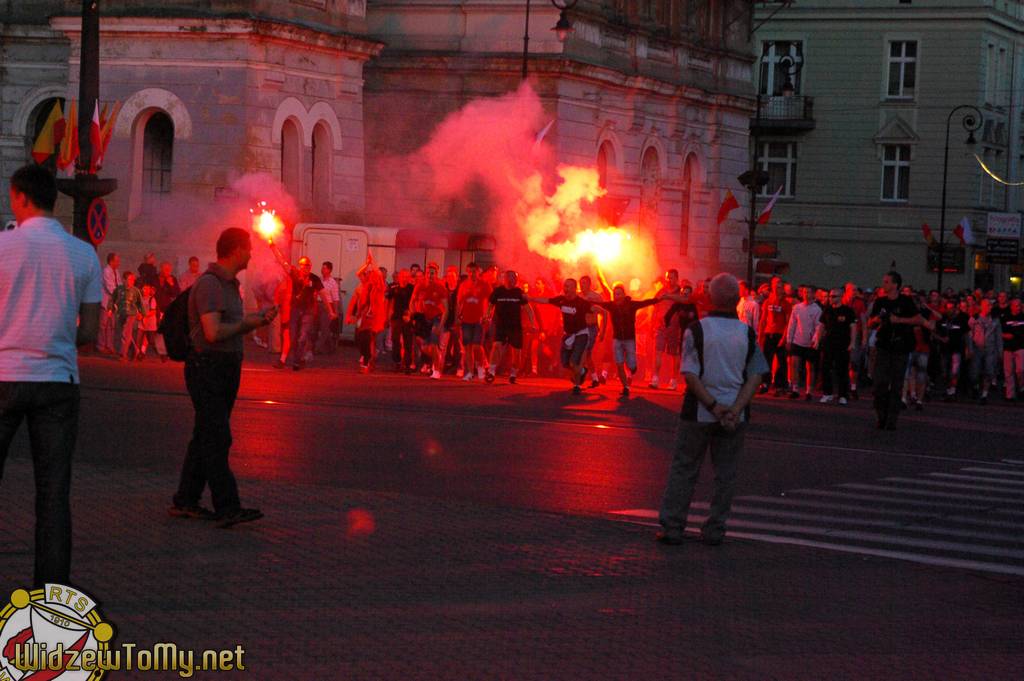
[
  {"x": 972, "y": 121},
  {"x": 563, "y": 29}
]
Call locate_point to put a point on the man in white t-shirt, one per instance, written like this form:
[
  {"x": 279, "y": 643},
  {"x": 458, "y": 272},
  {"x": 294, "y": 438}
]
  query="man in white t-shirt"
[
  {"x": 111, "y": 279},
  {"x": 50, "y": 293}
]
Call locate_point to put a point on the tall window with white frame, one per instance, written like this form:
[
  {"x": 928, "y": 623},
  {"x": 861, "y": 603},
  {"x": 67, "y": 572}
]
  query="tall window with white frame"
[
  {"x": 778, "y": 159},
  {"x": 896, "y": 173},
  {"x": 902, "y": 69},
  {"x": 157, "y": 156},
  {"x": 773, "y": 74}
]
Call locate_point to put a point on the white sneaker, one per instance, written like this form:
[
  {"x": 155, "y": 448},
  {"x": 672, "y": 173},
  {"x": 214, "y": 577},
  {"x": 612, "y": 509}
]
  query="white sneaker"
[
  {"x": 654, "y": 382},
  {"x": 468, "y": 377},
  {"x": 435, "y": 374},
  {"x": 459, "y": 373},
  {"x": 672, "y": 385},
  {"x": 842, "y": 401},
  {"x": 825, "y": 399},
  {"x": 480, "y": 373}
]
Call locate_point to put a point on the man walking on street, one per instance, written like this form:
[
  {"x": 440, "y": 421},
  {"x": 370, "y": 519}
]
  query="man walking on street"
[
  {"x": 111, "y": 280},
  {"x": 723, "y": 366},
  {"x": 50, "y": 293},
  {"x": 213, "y": 371},
  {"x": 894, "y": 316}
]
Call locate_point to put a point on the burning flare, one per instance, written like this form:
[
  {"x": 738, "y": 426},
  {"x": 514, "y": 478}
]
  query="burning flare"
[
  {"x": 557, "y": 227},
  {"x": 265, "y": 222}
]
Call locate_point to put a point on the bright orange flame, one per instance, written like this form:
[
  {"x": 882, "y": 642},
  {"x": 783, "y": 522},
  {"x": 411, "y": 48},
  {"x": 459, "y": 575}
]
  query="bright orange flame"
[
  {"x": 558, "y": 228},
  {"x": 266, "y": 223}
]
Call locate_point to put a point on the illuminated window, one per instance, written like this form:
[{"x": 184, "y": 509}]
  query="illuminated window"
[{"x": 774, "y": 73}]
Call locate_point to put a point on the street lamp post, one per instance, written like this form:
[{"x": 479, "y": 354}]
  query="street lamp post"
[
  {"x": 972, "y": 121},
  {"x": 85, "y": 187},
  {"x": 562, "y": 29}
]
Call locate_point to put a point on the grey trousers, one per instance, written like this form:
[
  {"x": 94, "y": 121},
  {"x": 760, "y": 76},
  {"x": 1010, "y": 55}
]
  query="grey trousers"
[{"x": 692, "y": 443}]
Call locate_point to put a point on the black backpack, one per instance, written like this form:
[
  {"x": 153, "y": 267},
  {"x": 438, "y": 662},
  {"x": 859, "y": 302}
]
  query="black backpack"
[{"x": 174, "y": 327}]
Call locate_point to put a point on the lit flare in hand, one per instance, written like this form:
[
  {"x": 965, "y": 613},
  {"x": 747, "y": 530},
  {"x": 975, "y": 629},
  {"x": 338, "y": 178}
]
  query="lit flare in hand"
[{"x": 265, "y": 221}]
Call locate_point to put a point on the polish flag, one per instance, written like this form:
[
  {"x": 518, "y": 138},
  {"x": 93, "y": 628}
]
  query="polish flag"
[
  {"x": 963, "y": 232},
  {"x": 766, "y": 214},
  {"x": 728, "y": 205},
  {"x": 95, "y": 139}
]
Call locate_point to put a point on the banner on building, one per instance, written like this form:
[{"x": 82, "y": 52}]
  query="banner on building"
[{"x": 1002, "y": 246}]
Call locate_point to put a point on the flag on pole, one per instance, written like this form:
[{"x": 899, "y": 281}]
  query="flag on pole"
[
  {"x": 49, "y": 136},
  {"x": 926, "y": 231},
  {"x": 69, "y": 143},
  {"x": 728, "y": 205},
  {"x": 766, "y": 214},
  {"x": 963, "y": 232},
  {"x": 107, "y": 123},
  {"x": 95, "y": 138}
]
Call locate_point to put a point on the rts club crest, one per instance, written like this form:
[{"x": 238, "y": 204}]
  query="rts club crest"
[{"x": 52, "y": 634}]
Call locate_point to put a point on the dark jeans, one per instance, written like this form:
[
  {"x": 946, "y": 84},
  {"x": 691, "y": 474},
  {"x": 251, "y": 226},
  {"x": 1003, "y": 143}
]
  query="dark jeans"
[
  {"x": 835, "y": 364},
  {"x": 51, "y": 410},
  {"x": 402, "y": 343},
  {"x": 890, "y": 370},
  {"x": 212, "y": 380},
  {"x": 300, "y": 327},
  {"x": 775, "y": 347}
]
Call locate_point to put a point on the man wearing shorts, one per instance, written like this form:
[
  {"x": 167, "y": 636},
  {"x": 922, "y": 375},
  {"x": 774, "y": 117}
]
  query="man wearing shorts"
[
  {"x": 622, "y": 311},
  {"x": 668, "y": 339},
  {"x": 472, "y": 304},
  {"x": 506, "y": 312},
  {"x": 596, "y": 325},
  {"x": 574, "y": 325},
  {"x": 429, "y": 300}
]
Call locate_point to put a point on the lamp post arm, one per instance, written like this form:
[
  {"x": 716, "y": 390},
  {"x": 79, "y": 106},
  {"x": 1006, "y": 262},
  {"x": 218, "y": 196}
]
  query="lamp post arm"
[
  {"x": 526, "y": 40},
  {"x": 972, "y": 121}
]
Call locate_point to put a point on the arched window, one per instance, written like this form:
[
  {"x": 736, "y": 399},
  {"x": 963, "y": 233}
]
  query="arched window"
[
  {"x": 291, "y": 159},
  {"x": 321, "y": 175},
  {"x": 689, "y": 191},
  {"x": 157, "y": 154},
  {"x": 605, "y": 160},
  {"x": 650, "y": 189}
]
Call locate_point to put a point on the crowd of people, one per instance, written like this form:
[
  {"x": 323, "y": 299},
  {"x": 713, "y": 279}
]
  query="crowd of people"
[{"x": 485, "y": 323}]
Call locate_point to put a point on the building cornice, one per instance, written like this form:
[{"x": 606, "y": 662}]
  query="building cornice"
[
  {"x": 417, "y": 62},
  {"x": 904, "y": 16},
  {"x": 349, "y": 43}
]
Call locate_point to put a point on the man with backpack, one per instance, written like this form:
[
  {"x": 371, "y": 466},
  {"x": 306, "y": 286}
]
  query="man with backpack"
[
  {"x": 217, "y": 326},
  {"x": 723, "y": 367}
]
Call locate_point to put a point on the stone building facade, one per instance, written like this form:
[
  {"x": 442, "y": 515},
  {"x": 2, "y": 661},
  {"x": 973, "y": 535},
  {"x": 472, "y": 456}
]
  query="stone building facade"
[
  {"x": 862, "y": 166},
  {"x": 211, "y": 92},
  {"x": 653, "y": 91}
]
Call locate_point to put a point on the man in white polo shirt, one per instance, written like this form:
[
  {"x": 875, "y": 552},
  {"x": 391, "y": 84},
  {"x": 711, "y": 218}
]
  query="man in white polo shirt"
[
  {"x": 723, "y": 366},
  {"x": 49, "y": 304}
]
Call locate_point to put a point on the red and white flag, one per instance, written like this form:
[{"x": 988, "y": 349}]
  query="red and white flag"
[
  {"x": 729, "y": 204},
  {"x": 95, "y": 139},
  {"x": 766, "y": 214},
  {"x": 963, "y": 232}
]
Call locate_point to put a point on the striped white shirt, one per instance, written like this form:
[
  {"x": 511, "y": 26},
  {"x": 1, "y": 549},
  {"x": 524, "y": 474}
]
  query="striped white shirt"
[{"x": 45, "y": 276}]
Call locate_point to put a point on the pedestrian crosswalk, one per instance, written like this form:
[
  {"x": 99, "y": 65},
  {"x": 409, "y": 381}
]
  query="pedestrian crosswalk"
[{"x": 971, "y": 518}]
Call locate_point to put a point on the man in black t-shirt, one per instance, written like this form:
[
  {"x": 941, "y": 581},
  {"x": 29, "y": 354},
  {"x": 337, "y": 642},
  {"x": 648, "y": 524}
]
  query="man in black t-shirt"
[
  {"x": 574, "y": 325},
  {"x": 622, "y": 310},
  {"x": 836, "y": 326},
  {"x": 951, "y": 333},
  {"x": 506, "y": 311},
  {"x": 399, "y": 295},
  {"x": 894, "y": 316},
  {"x": 1013, "y": 350},
  {"x": 306, "y": 288}
]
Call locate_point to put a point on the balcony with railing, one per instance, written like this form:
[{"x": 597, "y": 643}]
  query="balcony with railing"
[{"x": 781, "y": 113}]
